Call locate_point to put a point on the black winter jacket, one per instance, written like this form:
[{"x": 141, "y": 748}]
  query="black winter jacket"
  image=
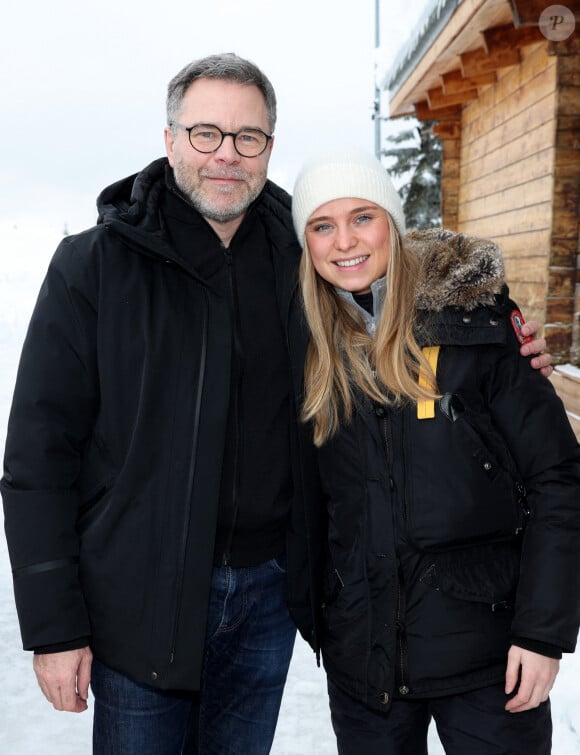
[
  {"x": 451, "y": 536},
  {"x": 116, "y": 435}
]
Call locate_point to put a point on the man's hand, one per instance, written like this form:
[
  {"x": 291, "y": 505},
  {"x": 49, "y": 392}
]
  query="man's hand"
[
  {"x": 542, "y": 362},
  {"x": 538, "y": 674},
  {"x": 64, "y": 678}
]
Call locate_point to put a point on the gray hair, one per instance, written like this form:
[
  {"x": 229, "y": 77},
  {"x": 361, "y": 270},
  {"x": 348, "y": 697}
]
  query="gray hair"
[{"x": 226, "y": 67}]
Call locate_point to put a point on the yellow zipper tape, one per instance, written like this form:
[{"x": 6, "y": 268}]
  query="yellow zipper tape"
[{"x": 426, "y": 407}]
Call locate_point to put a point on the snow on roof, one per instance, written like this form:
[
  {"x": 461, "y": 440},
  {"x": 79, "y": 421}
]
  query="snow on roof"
[{"x": 435, "y": 16}]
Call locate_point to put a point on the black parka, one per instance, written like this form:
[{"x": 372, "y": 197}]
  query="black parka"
[
  {"x": 116, "y": 436},
  {"x": 450, "y": 537}
]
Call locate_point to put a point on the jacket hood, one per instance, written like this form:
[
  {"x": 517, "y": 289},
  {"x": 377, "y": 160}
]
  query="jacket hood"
[
  {"x": 134, "y": 200},
  {"x": 457, "y": 270}
]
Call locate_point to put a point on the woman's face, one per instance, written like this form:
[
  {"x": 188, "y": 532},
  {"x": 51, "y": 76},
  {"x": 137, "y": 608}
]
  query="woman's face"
[{"x": 349, "y": 243}]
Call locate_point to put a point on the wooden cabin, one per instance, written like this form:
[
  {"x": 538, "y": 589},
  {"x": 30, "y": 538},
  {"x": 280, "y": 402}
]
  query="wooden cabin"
[{"x": 505, "y": 98}]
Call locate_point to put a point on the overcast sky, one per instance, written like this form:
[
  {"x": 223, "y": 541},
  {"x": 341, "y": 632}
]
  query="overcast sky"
[{"x": 83, "y": 86}]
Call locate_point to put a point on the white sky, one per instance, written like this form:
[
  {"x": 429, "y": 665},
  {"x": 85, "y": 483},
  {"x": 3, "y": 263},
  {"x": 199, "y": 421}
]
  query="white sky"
[{"x": 83, "y": 90}]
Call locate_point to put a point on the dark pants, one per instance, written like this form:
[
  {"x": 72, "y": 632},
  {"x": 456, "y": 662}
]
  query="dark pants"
[
  {"x": 473, "y": 723},
  {"x": 249, "y": 642}
]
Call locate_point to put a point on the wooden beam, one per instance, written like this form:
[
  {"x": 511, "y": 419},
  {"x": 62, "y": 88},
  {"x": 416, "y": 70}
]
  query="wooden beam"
[
  {"x": 406, "y": 114},
  {"x": 437, "y": 99},
  {"x": 528, "y": 12},
  {"x": 500, "y": 50},
  {"x": 477, "y": 62},
  {"x": 502, "y": 37},
  {"x": 447, "y": 130},
  {"x": 454, "y": 81},
  {"x": 424, "y": 113}
]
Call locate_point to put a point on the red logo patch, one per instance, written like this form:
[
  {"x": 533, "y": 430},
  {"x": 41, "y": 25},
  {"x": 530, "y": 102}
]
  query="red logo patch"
[{"x": 517, "y": 320}]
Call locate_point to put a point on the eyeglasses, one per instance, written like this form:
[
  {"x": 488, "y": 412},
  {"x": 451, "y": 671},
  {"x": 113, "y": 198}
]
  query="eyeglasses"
[{"x": 206, "y": 138}]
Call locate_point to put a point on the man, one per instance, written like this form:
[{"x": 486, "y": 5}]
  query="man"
[{"x": 156, "y": 474}]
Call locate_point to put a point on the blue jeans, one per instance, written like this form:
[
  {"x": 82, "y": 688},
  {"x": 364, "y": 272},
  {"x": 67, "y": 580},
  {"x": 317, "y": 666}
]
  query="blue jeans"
[{"x": 248, "y": 647}]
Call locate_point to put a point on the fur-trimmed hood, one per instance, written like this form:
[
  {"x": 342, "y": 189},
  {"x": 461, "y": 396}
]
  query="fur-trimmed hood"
[{"x": 457, "y": 270}]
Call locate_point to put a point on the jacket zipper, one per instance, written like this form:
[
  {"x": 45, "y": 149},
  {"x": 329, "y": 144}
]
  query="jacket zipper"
[
  {"x": 191, "y": 478},
  {"x": 403, "y": 688},
  {"x": 388, "y": 451},
  {"x": 400, "y": 628},
  {"x": 238, "y": 352}
]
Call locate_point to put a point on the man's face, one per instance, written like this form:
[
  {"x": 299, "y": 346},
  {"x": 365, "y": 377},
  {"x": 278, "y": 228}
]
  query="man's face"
[{"x": 220, "y": 185}]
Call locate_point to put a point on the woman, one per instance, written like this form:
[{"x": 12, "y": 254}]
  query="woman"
[{"x": 451, "y": 475}]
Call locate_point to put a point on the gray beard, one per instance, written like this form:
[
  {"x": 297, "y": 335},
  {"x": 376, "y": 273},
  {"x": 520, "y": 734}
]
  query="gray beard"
[
  {"x": 206, "y": 208},
  {"x": 217, "y": 214}
]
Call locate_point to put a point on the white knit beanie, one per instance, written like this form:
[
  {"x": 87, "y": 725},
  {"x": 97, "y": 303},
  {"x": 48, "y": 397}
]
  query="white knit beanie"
[{"x": 341, "y": 173}]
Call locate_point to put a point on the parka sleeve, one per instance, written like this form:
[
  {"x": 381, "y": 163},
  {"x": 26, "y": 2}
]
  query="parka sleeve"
[
  {"x": 533, "y": 421},
  {"x": 53, "y": 409}
]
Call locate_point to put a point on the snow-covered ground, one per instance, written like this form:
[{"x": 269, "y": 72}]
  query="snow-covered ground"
[{"x": 28, "y": 724}]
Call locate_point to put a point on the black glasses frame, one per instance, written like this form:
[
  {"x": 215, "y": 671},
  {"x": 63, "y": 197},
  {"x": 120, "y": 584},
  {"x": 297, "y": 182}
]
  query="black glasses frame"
[{"x": 223, "y": 134}]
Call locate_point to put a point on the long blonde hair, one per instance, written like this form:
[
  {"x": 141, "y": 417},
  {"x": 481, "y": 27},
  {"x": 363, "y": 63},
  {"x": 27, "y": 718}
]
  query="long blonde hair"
[{"x": 343, "y": 358}]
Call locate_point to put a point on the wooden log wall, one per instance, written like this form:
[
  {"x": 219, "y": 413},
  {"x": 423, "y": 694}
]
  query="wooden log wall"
[
  {"x": 563, "y": 304},
  {"x": 507, "y": 169},
  {"x": 450, "y": 135},
  {"x": 520, "y": 184}
]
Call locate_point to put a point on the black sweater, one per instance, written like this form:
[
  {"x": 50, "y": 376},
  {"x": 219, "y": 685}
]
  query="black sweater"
[{"x": 256, "y": 480}]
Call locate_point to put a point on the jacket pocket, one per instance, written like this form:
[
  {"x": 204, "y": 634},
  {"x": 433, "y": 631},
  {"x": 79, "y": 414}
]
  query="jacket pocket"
[
  {"x": 93, "y": 504},
  {"x": 463, "y": 486},
  {"x": 486, "y": 573},
  {"x": 333, "y": 585}
]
